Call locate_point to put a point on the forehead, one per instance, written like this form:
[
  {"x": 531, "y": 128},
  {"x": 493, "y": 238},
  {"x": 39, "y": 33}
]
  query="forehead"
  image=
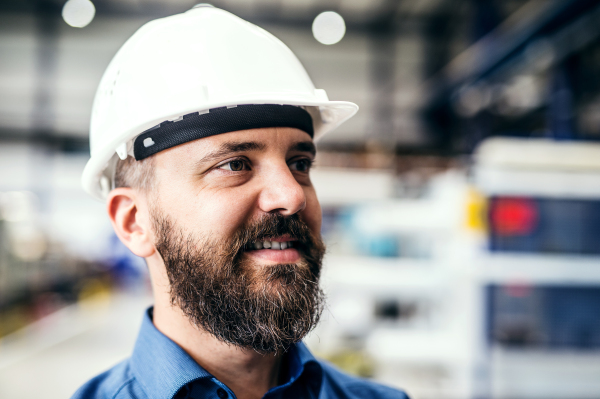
[{"x": 281, "y": 139}]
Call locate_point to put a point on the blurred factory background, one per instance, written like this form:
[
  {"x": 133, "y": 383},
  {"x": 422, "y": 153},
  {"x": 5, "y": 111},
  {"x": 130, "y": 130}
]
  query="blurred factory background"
[{"x": 461, "y": 205}]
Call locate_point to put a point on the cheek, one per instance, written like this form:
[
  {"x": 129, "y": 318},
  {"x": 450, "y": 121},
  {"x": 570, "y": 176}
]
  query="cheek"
[
  {"x": 219, "y": 213},
  {"x": 200, "y": 207}
]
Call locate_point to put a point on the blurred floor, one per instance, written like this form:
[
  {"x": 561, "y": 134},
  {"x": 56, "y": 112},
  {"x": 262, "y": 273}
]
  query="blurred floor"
[{"x": 56, "y": 355}]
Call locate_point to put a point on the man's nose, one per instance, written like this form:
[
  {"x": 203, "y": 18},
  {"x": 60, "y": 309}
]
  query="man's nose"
[{"x": 281, "y": 193}]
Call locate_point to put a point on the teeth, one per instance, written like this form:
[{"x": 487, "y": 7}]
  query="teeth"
[{"x": 271, "y": 245}]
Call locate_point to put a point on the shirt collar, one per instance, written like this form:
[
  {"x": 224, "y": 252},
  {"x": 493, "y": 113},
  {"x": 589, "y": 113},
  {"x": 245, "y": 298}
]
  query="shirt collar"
[
  {"x": 301, "y": 365},
  {"x": 298, "y": 358},
  {"x": 162, "y": 367}
]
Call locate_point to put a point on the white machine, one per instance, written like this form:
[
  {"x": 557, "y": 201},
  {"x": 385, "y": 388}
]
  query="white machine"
[{"x": 489, "y": 286}]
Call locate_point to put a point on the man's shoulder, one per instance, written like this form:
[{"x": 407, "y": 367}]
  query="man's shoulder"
[
  {"x": 354, "y": 387},
  {"x": 115, "y": 383}
]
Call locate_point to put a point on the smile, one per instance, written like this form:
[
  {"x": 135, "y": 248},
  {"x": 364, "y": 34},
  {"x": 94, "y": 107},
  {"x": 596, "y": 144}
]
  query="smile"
[{"x": 278, "y": 250}]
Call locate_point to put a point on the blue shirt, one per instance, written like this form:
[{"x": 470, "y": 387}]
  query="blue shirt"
[{"x": 160, "y": 369}]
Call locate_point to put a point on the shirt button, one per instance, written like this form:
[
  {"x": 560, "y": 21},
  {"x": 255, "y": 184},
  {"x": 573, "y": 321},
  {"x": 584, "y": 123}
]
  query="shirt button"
[{"x": 221, "y": 393}]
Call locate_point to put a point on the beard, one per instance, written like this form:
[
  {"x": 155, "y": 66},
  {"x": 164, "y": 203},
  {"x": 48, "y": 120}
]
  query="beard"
[{"x": 266, "y": 308}]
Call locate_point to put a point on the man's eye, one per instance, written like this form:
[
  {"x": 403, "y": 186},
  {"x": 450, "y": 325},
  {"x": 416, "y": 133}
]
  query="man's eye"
[
  {"x": 234, "y": 166},
  {"x": 301, "y": 165}
]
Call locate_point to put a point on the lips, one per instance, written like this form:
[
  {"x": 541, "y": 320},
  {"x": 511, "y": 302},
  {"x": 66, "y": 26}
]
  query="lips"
[{"x": 277, "y": 249}]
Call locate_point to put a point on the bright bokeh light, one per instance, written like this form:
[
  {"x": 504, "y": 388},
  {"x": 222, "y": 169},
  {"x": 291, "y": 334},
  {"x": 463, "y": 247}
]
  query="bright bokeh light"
[
  {"x": 329, "y": 27},
  {"x": 78, "y": 13}
]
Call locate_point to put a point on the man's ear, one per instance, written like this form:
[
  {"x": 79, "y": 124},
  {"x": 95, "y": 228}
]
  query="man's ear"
[{"x": 130, "y": 219}]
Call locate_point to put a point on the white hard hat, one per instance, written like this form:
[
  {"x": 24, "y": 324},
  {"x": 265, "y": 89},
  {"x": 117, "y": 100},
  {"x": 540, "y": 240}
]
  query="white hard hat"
[{"x": 185, "y": 65}]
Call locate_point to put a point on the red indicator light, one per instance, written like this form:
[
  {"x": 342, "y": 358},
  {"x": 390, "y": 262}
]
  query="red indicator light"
[
  {"x": 513, "y": 216},
  {"x": 518, "y": 290}
]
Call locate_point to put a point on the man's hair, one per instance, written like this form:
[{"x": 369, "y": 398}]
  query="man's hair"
[{"x": 135, "y": 174}]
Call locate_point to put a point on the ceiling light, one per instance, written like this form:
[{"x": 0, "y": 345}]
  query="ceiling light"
[
  {"x": 78, "y": 13},
  {"x": 329, "y": 27}
]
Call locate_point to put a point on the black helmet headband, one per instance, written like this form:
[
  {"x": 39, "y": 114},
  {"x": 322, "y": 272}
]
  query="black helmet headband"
[{"x": 217, "y": 121}]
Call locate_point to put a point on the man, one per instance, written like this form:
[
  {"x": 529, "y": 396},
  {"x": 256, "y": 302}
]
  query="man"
[{"x": 213, "y": 121}]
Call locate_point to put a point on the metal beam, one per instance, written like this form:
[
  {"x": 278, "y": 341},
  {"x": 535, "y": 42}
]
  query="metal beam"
[{"x": 498, "y": 47}]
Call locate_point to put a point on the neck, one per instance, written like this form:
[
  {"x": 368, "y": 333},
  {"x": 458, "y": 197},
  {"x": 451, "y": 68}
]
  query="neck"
[{"x": 248, "y": 374}]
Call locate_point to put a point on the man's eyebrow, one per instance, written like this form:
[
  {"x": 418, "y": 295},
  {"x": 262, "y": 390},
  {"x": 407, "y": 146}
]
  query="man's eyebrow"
[
  {"x": 305, "y": 146},
  {"x": 231, "y": 148}
]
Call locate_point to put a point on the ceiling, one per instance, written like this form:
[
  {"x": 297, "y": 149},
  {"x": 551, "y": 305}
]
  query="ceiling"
[{"x": 49, "y": 70}]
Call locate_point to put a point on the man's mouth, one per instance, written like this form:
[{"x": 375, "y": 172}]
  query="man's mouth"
[
  {"x": 271, "y": 244},
  {"x": 274, "y": 249}
]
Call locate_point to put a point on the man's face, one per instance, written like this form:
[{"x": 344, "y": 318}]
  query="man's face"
[{"x": 219, "y": 202}]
